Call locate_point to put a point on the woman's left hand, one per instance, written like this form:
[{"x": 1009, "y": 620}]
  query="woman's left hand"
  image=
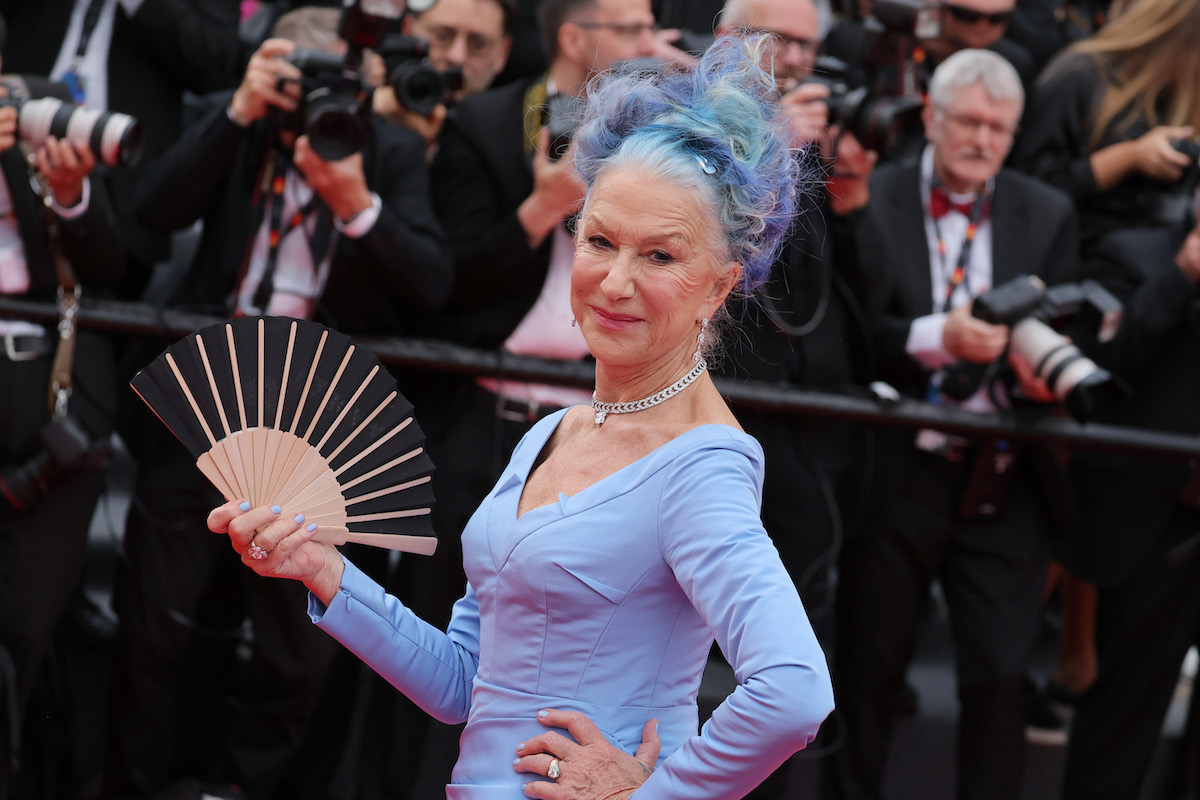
[{"x": 589, "y": 768}]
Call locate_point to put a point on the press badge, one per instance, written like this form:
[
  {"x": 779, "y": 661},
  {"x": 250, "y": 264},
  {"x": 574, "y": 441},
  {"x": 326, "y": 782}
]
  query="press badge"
[{"x": 77, "y": 85}]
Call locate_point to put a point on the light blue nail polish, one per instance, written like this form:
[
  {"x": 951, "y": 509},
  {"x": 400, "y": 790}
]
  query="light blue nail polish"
[
  {"x": 299, "y": 518},
  {"x": 244, "y": 505},
  {"x": 275, "y": 509},
  {"x": 520, "y": 747},
  {"x": 312, "y": 526},
  {"x": 516, "y": 762},
  {"x": 543, "y": 714}
]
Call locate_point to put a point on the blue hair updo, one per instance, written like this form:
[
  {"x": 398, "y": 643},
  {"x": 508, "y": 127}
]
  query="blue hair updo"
[{"x": 718, "y": 128}]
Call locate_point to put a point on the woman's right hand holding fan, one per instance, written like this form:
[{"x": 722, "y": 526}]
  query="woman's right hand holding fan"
[{"x": 279, "y": 545}]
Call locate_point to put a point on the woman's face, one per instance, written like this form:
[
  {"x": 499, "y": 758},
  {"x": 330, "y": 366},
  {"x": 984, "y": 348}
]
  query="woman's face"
[{"x": 646, "y": 270}]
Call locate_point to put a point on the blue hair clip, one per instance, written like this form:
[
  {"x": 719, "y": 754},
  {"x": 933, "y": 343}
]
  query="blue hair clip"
[{"x": 708, "y": 168}]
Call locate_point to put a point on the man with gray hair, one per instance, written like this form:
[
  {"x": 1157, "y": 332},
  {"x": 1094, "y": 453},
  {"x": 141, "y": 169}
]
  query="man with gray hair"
[{"x": 936, "y": 235}]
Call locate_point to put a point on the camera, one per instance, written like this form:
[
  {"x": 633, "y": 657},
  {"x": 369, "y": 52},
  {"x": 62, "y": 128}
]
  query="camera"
[
  {"x": 887, "y": 39},
  {"x": 884, "y": 115},
  {"x": 333, "y": 110},
  {"x": 115, "y": 139},
  {"x": 878, "y": 121},
  {"x": 1033, "y": 312},
  {"x": 66, "y": 449},
  {"x": 563, "y": 112},
  {"x": 1172, "y": 203},
  {"x": 1189, "y": 147},
  {"x": 334, "y": 97},
  {"x": 418, "y": 86}
]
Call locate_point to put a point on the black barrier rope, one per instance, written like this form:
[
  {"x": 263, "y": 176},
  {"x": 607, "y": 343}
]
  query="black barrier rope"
[{"x": 1031, "y": 425}]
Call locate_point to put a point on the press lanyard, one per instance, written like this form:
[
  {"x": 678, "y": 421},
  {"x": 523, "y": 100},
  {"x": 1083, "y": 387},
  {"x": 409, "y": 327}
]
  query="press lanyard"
[
  {"x": 72, "y": 77},
  {"x": 958, "y": 276},
  {"x": 318, "y": 244}
]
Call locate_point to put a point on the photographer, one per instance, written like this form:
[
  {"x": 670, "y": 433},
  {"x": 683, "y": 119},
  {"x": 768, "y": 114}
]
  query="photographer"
[
  {"x": 348, "y": 239},
  {"x": 1138, "y": 518},
  {"x": 964, "y": 512},
  {"x": 51, "y": 464},
  {"x": 138, "y": 57},
  {"x": 470, "y": 38},
  {"x": 892, "y": 48},
  {"x": 1107, "y": 118}
]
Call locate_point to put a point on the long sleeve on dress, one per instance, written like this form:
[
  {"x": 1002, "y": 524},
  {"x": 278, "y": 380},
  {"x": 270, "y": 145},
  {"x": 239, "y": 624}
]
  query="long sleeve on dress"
[
  {"x": 712, "y": 539},
  {"x": 432, "y": 668}
]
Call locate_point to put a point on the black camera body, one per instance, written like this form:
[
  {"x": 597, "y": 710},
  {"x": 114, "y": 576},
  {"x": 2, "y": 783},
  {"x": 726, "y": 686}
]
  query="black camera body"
[
  {"x": 1174, "y": 203},
  {"x": 563, "y": 112},
  {"x": 418, "y": 86},
  {"x": 873, "y": 77},
  {"x": 335, "y": 99},
  {"x": 887, "y": 37},
  {"x": 115, "y": 139},
  {"x": 334, "y": 104},
  {"x": 877, "y": 120},
  {"x": 1034, "y": 313},
  {"x": 66, "y": 450},
  {"x": 1189, "y": 147}
]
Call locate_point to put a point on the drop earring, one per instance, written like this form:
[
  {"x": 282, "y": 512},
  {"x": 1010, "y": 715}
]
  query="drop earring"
[{"x": 696, "y": 356}]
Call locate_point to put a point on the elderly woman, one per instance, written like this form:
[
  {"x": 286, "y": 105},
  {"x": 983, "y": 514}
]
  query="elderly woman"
[{"x": 623, "y": 537}]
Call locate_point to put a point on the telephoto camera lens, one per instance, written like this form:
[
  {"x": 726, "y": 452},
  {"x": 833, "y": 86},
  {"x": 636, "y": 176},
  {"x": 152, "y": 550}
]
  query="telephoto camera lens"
[
  {"x": 1075, "y": 379},
  {"x": 115, "y": 139}
]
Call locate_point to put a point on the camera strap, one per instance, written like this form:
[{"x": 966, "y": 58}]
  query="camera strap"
[
  {"x": 958, "y": 276},
  {"x": 59, "y": 393},
  {"x": 318, "y": 243}
]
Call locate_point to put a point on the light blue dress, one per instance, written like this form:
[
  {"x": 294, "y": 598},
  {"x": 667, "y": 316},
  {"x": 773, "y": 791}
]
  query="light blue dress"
[{"x": 607, "y": 603}]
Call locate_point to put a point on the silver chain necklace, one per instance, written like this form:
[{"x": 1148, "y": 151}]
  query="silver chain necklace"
[{"x": 604, "y": 409}]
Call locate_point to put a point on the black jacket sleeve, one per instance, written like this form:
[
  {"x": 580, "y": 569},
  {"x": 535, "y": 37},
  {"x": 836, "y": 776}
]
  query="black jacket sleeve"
[
  {"x": 478, "y": 207},
  {"x": 405, "y": 250},
  {"x": 1138, "y": 268}
]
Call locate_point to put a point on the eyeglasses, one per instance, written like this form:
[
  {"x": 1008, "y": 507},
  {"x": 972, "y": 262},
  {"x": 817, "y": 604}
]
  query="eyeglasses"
[
  {"x": 973, "y": 124},
  {"x": 784, "y": 41},
  {"x": 969, "y": 16},
  {"x": 444, "y": 37},
  {"x": 629, "y": 30}
]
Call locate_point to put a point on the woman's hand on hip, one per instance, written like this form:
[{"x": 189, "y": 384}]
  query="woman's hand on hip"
[{"x": 586, "y": 767}]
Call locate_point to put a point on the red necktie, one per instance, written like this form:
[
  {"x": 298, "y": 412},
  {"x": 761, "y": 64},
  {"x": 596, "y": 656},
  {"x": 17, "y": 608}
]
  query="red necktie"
[{"x": 940, "y": 204}]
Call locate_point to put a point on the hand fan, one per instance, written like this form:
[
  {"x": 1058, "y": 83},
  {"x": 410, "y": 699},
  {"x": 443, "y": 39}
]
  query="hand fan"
[{"x": 287, "y": 411}]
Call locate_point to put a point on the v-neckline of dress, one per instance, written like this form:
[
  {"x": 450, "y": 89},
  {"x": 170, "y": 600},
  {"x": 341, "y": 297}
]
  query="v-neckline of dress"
[{"x": 520, "y": 473}]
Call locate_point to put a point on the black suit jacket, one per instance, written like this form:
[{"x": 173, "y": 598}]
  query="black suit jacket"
[
  {"x": 481, "y": 174},
  {"x": 400, "y": 267},
  {"x": 1034, "y": 232},
  {"x": 167, "y": 48},
  {"x": 1125, "y": 503}
]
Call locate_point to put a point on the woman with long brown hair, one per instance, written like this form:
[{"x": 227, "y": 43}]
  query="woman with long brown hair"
[{"x": 1107, "y": 114}]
